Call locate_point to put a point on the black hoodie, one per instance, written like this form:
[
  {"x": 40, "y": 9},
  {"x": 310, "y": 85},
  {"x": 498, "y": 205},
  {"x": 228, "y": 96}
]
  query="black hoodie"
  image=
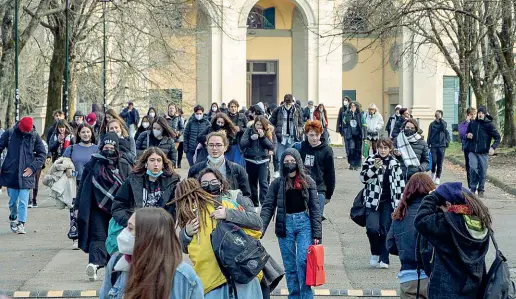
[
  {"x": 484, "y": 131},
  {"x": 459, "y": 259},
  {"x": 319, "y": 164}
]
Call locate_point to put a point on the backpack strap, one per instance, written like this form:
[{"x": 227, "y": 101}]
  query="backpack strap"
[{"x": 116, "y": 274}]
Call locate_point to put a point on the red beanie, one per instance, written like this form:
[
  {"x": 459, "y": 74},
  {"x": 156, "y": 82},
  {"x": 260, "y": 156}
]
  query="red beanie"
[
  {"x": 25, "y": 124},
  {"x": 91, "y": 118}
]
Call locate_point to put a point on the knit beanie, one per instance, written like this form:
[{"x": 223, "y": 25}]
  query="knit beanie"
[
  {"x": 482, "y": 109},
  {"x": 111, "y": 138},
  {"x": 25, "y": 125},
  {"x": 451, "y": 192}
]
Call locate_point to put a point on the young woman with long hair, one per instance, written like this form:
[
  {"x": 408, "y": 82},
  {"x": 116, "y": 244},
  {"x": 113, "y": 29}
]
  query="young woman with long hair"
[
  {"x": 354, "y": 121},
  {"x": 214, "y": 109},
  {"x": 62, "y": 138},
  {"x": 458, "y": 225},
  {"x": 411, "y": 149},
  {"x": 110, "y": 115},
  {"x": 101, "y": 180},
  {"x": 151, "y": 184},
  {"x": 402, "y": 237},
  {"x": 127, "y": 144},
  {"x": 152, "y": 113},
  {"x": 321, "y": 115},
  {"x": 383, "y": 179},
  {"x": 149, "y": 263},
  {"x": 257, "y": 143},
  {"x": 298, "y": 219},
  {"x": 162, "y": 136},
  {"x": 197, "y": 215},
  {"x": 145, "y": 125}
]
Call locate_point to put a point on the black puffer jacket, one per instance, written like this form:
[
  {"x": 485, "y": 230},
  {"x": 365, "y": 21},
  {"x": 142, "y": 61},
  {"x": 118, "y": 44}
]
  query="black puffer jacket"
[
  {"x": 438, "y": 135},
  {"x": 238, "y": 120},
  {"x": 235, "y": 175},
  {"x": 167, "y": 145},
  {"x": 484, "y": 131},
  {"x": 193, "y": 129},
  {"x": 421, "y": 150},
  {"x": 276, "y": 199},
  {"x": 130, "y": 196},
  {"x": 255, "y": 149}
]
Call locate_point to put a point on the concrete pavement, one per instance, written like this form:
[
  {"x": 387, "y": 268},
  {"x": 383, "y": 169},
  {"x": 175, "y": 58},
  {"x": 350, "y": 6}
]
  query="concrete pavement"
[{"x": 43, "y": 259}]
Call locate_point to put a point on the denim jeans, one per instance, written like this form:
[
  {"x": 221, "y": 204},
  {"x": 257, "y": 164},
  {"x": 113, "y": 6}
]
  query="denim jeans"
[
  {"x": 18, "y": 201},
  {"x": 280, "y": 149},
  {"x": 437, "y": 160},
  {"x": 132, "y": 130},
  {"x": 322, "y": 199},
  {"x": 250, "y": 290},
  {"x": 294, "y": 248},
  {"x": 478, "y": 171},
  {"x": 189, "y": 157},
  {"x": 378, "y": 224},
  {"x": 258, "y": 177}
]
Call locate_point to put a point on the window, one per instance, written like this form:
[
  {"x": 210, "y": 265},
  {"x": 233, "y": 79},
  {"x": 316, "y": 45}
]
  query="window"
[
  {"x": 349, "y": 57},
  {"x": 260, "y": 18}
]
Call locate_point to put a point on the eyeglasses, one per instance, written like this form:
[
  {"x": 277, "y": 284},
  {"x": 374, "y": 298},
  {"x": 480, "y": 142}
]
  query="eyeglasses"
[
  {"x": 215, "y": 145},
  {"x": 213, "y": 182}
]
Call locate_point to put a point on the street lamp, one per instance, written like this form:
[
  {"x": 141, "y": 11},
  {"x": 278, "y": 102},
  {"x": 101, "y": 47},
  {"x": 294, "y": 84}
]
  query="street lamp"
[
  {"x": 16, "y": 74},
  {"x": 104, "y": 69},
  {"x": 67, "y": 62}
]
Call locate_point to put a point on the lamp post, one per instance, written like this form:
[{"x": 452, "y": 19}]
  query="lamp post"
[
  {"x": 67, "y": 63},
  {"x": 16, "y": 74},
  {"x": 104, "y": 67}
]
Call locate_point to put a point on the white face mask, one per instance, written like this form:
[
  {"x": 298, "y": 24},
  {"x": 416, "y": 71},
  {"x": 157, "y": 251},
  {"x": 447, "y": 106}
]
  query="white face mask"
[
  {"x": 198, "y": 116},
  {"x": 157, "y": 133},
  {"x": 152, "y": 114},
  {"x": 216, "y": 160},
  {"x": 346, "y": 103},
  {"x": 125, "y": 242},
  {"x": 213, "y": 109},
  {"x": 119, "y": 134},
  {"x": 145, "y": 125}
]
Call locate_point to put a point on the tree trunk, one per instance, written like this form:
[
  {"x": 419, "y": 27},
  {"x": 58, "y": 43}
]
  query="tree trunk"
[
  {"x": 72, "y": 95},
  {"x": 7, "y": 66},
  {"x": 55, "y": 79}
]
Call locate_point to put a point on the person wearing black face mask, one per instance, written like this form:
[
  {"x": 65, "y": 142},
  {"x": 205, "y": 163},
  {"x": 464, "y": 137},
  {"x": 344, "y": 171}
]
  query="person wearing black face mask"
[
  {"x": 298, "y": 220},
  {"x": 101, "y": 178},
  {"x": 411, "y": 149}
]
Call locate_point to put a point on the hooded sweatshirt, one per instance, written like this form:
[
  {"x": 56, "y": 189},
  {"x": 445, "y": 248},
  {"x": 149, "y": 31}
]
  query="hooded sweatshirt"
[
  {"x": 319, "y": 164},
  {"x": 459, "y": 259}
]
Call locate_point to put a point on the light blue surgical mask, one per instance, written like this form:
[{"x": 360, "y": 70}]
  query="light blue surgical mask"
[{"x": 154, "y": 175}]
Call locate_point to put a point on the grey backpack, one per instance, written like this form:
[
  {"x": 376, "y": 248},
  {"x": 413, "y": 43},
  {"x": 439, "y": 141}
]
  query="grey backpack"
[{"x": 497, "y": 284}]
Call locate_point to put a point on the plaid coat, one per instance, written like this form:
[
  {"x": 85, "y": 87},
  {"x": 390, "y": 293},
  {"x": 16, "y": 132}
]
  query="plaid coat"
[{"x": 372, "y": 177}]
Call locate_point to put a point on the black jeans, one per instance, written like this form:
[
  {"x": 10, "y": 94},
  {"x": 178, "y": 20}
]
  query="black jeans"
[
  {"x": 98, "y": 233},
  {"x": 258, "y": 177},
  {"x": 36, "y": 186},
  {"x": 378, "y": 223},
  {"x": 466, "y": 159},
  {"x": 437, "y": 160},
  {"x": 179, "y": 154},
  {"x": 355, "y": 151}
]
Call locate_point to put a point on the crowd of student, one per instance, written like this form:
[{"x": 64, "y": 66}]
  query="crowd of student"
[{"x": 125, "y": 198}]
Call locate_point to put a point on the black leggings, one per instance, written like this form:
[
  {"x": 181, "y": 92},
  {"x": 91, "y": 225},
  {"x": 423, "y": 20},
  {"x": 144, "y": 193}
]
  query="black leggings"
[
  {"x": 437, "y": 160},
  {"x": 179, "y": 154}
]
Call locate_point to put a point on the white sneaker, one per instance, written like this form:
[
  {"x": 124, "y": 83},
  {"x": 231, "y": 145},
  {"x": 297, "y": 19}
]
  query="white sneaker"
[
  {"x": 433, "y": 176},
  {"x": 29, "y": 206},
  {"x": 21, "y": 229},
  {"x": 75, "y": 245},
  {"x": 374, "y": 260},
  {"x": 383, "y": 265},
  {"x": 437, "y": 181},
  {"x": 276, "y": 174},
  {"x": 14, "y": 226},
  {"x": 91, "y": 272}
]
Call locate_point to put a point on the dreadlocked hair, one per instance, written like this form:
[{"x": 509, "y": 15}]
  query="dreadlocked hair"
[
  {"x": 477, "y": 208},
  {"x": 190, "y": 200}
]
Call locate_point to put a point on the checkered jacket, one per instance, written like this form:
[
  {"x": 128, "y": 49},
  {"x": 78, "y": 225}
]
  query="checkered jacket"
[{"x": 372, "y": 177}]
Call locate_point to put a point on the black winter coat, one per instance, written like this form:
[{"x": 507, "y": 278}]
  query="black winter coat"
[
  {"x": 341, "y": 124},
  {"x": 167, "y": 145},
  {"x": 193, "y": 129},
  {"x": 397, "y": 128},
  {"x": 239, "y": 120},
  {"x": 277, "y": 121},
  {"x": 86, "y": 197},
  {"x": 438, "y": 135},
  {"x": 276, "y": 202},
  {"x": 255, "y": 149},
  {"x": 421, "y": 150},
  {"x": 130, "y": 196},
  {"x": 484, "y": 131},
  {"x": 402, "y": 237},
  {"x": 320, "y": 165},
  {"x": 24, "y": 150},
  {"x": 459, "y": 259},
  {"x": 235, "y": 175}
]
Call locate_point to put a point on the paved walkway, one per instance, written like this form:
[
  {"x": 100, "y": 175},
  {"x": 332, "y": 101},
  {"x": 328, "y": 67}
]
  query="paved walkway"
[{"x": 44, "y": 260}]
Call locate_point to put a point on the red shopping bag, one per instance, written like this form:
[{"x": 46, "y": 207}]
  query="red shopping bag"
[{"x": 315, "y": 274}]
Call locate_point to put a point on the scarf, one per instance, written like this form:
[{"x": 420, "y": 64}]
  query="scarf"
[
  {"x": 288, "y": 137},
  {"x": 105, "y": 186},
  {"x": 407, "y": 153},
  {"x": 323, "y": 119}
]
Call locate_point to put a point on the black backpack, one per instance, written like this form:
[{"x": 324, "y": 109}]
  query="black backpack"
[
  {"x": 240, "y": 257},
  {"x": 497, "y": 284}
]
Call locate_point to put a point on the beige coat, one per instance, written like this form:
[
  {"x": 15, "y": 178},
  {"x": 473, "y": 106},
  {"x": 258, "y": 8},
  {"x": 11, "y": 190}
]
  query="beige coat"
[{"x": 61, "y": 182}]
